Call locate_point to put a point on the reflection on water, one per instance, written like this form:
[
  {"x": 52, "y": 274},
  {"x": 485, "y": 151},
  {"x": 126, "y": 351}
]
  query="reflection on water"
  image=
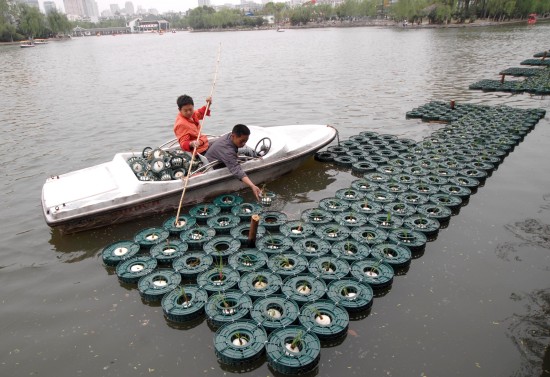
[
  {"x": 75, "y": 104},
  {"x": 530, "y": 332}
]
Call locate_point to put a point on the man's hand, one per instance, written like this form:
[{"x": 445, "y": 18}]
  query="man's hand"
[
  {"x": 194, "y": 144},
  {"x": 255, "y": 189}
]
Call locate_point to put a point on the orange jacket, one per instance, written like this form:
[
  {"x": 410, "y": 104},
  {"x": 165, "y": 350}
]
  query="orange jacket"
[{"x": 187, "y": 130}]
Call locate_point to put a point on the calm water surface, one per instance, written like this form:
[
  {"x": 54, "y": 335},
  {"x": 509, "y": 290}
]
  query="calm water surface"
[{"x": 475, "y": 304}]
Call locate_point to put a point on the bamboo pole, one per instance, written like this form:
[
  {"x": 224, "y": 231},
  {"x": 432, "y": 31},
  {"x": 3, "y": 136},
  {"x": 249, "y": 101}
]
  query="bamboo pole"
[{"x": 201, "y": 122}]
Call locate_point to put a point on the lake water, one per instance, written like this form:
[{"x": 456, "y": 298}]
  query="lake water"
[{"x": 476, "y": 303}]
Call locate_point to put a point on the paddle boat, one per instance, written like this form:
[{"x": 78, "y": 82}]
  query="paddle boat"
[
  {"x": 148, "y": 182},
  {"x": 26, "y": 44},
  {"x": 40, "y": 41}
]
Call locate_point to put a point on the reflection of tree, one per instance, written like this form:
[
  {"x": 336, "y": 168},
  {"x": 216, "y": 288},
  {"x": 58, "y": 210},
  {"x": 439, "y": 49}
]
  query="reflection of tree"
[{"x": 530, "y": 333}]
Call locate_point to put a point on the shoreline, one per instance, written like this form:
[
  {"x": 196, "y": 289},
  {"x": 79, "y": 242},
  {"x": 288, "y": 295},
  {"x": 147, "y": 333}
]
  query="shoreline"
[
  {"x": 377, "y": 23},
  {"x": 346, "y": 24}
]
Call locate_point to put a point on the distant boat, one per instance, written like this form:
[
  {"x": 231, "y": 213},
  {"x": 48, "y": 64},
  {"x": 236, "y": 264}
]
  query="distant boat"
[
  {"x": 532, "y": 19},
  {"x": 40, "y": 42},
  {"x": 25, "y": 44}
]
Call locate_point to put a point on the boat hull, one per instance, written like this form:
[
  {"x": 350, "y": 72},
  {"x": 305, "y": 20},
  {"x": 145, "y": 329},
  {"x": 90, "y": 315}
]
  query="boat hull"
[{"x": 198, "y": 189}]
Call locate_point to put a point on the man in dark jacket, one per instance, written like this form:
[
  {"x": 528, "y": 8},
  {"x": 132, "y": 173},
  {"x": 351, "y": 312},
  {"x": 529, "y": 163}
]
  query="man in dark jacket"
[{"x": 225, "y": 148}]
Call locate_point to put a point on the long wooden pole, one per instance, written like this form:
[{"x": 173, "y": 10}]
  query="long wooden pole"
[{"x": 201, "y": 122}]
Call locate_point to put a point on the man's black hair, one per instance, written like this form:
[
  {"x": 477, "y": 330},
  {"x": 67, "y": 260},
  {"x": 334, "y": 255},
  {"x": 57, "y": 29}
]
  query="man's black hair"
[
  {"x": 184, "y": 100},
  {"x": 240, "y": 130}
]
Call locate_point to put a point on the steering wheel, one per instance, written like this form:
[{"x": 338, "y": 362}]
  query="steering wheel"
[{"x": 263, "y": 146}]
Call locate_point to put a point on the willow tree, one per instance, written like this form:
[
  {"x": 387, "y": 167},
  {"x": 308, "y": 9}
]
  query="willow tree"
[
  {"x": 31, "y": 21},
  {"x": 58, "y": 22}
]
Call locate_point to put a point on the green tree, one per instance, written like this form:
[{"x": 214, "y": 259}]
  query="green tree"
[
  {"x": 7, "y": 22},
  {"x": 58, "y": 22},
  {"x": 32, "y": 23}
]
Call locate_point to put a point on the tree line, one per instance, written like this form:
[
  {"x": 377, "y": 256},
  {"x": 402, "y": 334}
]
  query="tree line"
[{"x": 21, "y": 21}]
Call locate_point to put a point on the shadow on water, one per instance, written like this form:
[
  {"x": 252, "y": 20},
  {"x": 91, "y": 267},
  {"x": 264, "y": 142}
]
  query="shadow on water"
[{"x": 530, "y": 333}]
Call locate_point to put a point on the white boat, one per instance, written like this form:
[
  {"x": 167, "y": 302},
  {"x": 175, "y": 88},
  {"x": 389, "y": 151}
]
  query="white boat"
[
  {"x": 111, "y": 193},
  {"x": 26, "y": 44}
]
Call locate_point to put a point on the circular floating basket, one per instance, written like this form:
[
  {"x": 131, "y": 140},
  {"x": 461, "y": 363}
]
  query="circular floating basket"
[
  {"x": 350, "y": 250},
  {"x": 349, "y": 194},
  {"x": 275, "y": 312},
  {"x": 190, "y": 265},
  {"x": 374, "y": 272},
  {"x": 154, "y": 286},
  {"x": 444, "y": 172},
  {"x": 480, "y": 175},
  {"x": 311, "y": 247},
  {"x": 239, "y": 343},
  {"x": 424, "y": 188},
  {"x": 197, "y": 237},
  {"x": 377, "y": 177},
  {"x": 433, "y": 211},
  {"x": 246, "y": 210},
  {"x": 385, "y": 221},
  {"x": 324, "y": 156},
  {"x": 340, "y": 150},
  {"x": 248, "y": 260},
  {"x": 345, "y": 160},
  {"x": 221, "y": 247},
  {"x": 414, "y": 240},
  {"x": 455, "y": 190},
  {"x": 366, "y": 207},
  {"x": 274, "y": 244},
  {"x": 131, "y": 270},
  {"x": 432, "y": 180},
  {"x": 272, "y": 220},
  {"x": 351, "y": 219},
  {"x": 333, "y": 205},
  {"x": 297, "y": 229},
  {"x": 151, "y": 236},
  {"x": 380, "y": 196},
  {"x": 226, "y": 202},
  {"x": 325, "y": 319},
  {"x": 332, "y": 232},
  {"x": 368, "y": 235},
  {"x": 292, "y": 350},
  {"x": 399, "y": 209},
  {"x": 351, "y": 295},
  {"x": 223, "y": 224},
  {"x": 450, "y": 201},
  {"x": 406, "y": 179},
  {"x": 167, "y": 252},
  {"x": 428, "y": 226},
  {"x": 118, "y": 251},
  {"x": 267, "y": 198},
  {"x": 304, "y": 288},
  {"x": 413, "y": 198},
  {"x": 329, "y": 268},
  {"x": 228, "y": 306},
  {"x": 389, "y": 169},
  {"x": 184, "y": 304},
  {"x": 397, "y": 256},
  {"x": 259, "y": 284},
  {"x": 287, "y": 264},
  {"x": 240, "y": 232},
  {"x": 185, "y": 222},
  {"x": 362, "y": 167},
  {"x": 204, "y": 211},
  {"x": 215, "y": 281},
  {"x": 416, "y": 171},
  {"x": 317, "y": 216},
  {"x": 395, "y": 188},
  {"x": 471, "y": 183},
  {"x": 363, "y": 185}
]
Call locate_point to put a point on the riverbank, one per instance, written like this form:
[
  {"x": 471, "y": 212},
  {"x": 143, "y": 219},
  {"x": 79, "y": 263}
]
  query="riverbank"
[{"x": 376, "y": 23}]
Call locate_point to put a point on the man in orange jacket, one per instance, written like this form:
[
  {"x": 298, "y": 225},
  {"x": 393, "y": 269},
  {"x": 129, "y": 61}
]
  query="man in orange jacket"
[{"x": 186, "y": 126}]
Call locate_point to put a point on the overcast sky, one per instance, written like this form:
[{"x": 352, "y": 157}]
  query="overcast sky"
[{"x": 161, "y": 5}]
